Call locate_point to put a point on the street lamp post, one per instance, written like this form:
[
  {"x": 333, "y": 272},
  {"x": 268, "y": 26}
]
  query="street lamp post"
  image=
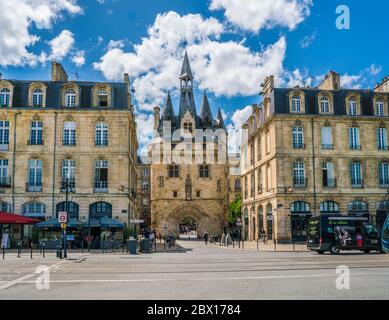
[
  {"x": 131, "y": 196},
  {"x": 65, "y": 253}
]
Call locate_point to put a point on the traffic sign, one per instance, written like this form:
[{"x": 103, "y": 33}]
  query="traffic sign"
[
  {"x": 62, "y": 217},
  {"x": 63, "y": 225}
]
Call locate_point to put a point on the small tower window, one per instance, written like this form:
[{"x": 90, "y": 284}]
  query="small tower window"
[
  {"x": 70, "y": 98},
  {"x": 102, "y": 98},
  {"x": 37, "y": 98}
]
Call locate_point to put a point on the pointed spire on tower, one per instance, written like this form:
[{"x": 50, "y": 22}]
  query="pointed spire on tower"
[
  {"x": 219, "y": 119},
  {"x": 168, "y": 112},
  {"x": 186, "y": 71},
  {"x": 205, "y": 112}
]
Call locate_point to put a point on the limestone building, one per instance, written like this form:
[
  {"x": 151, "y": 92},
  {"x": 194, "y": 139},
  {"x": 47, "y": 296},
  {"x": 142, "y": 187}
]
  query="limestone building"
[
  {"x": 144, "y": 193},
  {"x": 59, "y": 129},
  {"x": 311, "y": 151},
  {"x": 185, "y": 182}
]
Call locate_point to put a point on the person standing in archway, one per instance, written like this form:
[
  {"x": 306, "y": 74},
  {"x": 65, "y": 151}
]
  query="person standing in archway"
[{"x": 205, "y": 236}]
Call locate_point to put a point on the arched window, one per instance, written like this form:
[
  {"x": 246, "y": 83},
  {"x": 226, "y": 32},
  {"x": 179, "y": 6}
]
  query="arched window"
[
  {"x": 34, "y": 209},
  {"x": 379, "y": 109},
  {"x": 73, "y": 209},
  {"x": 37, "y": 98},
  {"x": 102, "y": 96},
  {"x": 352, "y": 107},
  {"x": 70, "y": 98},
  {"x": 296, "y": 104},
  {"x": 325, "y": 105},
  {"x": 5, "y": 207},
  {"x": 329, "y": 207},
  {"x": 4, "y": 97},
  {"x": 100, "y": 210},
  {"x": 300, "y": 207},
  {"x": 358, "y": 206},
  {"x": 260, "y": 218}
]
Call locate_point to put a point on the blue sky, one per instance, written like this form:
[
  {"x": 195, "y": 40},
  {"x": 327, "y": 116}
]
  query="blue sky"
[{"x": 233, "y": 45}]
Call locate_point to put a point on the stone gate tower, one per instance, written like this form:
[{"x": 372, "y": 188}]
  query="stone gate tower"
[{"x": 189, "y": 170}]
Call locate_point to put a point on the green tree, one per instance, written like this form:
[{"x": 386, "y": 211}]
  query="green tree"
[{"x": 235, "y": 210}]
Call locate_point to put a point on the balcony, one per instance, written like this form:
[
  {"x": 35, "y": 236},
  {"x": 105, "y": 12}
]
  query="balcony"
[
  {"x": 67, "y": 143},
  {"x": 71, "y": 184},
  {"x": 384, "y": 183},
  {"x": 35, "y": 142},
  {"x": 5, "y": 182},
  {"x": 100, "y": 186},
  {"x": 327, "y": 146},
  {"x": 33, "y": 188},
  {"x": 357, "y": 183},
  {"x": 355, "y": 147},
  {"x": 329, "y": 183},
  {"x": 300, "y": 182},
  {"x": 382, "y": 148},
  {"x": 298, "y": 146},
  {"x": 4, "y": 147}
]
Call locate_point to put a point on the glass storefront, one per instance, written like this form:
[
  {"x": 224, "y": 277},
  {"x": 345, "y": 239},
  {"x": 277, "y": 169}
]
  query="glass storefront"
[{"x": 301, "y": 213}]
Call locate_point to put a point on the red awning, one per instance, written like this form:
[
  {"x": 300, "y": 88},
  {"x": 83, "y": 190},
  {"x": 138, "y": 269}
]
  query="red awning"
[{"x": 9, "y": 218}]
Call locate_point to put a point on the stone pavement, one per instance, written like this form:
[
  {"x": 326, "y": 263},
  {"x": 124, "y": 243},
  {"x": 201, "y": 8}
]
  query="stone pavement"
[{"x": 269, "y": 246}]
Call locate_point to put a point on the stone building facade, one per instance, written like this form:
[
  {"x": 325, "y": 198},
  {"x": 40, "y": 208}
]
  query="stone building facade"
[
  {"x": 59, "y": 129},
  {"x": 311, "y": 151},
  {"x": 144, "y": 192},
  {"x": 185, "y": 183}
]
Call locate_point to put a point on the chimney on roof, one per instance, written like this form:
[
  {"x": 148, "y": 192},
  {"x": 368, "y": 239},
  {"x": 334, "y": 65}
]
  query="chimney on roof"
[
  {"x": 58, "y": 73},
  {"x": 383, "y": 86},
  {"x": 331, "y": 81},
  {"x": 267, "y": 86}
]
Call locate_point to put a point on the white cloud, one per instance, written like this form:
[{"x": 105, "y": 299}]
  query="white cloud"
[
  {"x": 119, "y": 44},
  {"x": 79, "y": 58},
  {"x": 234, "y": 129},
  {"x": 363, "y": 80},
  {"x": 350, "y": 81},
  {"x": 308, "y": 40},
  {"x": 61, "y": 45},
  {"x": 223, "y": 68},
  {"x": 254, "y": 15},
  {"x": 18, "y": 17}
]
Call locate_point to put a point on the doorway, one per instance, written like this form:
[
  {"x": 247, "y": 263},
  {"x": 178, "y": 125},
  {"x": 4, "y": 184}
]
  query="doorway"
[{"x": 188, "y": 228}]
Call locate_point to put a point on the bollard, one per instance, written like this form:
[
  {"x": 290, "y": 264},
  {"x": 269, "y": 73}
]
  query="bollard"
[
  {"x": 257, "y": 245},
  {"x": 275, "y": 245},
  {"x": 31, "y": 251},
  {"x": 164, "y": 244},
  {"x": 242, "y": 245},
  {"x": 44, "y": 251},
  {"x": 82, "y": 246},
  {"x": 294, "y": 247},
  {"x": 3, "y": 252},
  {"x": 102, "y": 246},
  {"x": 233, "y": 243},
  {"x": 155, "y": 245},
  {"x": 88, "y": 246},
  {"x": 239, "y": 243}
]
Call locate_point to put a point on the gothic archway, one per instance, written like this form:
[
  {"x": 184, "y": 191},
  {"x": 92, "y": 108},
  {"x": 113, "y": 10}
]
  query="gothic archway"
[{"x": 189, "y": 210}]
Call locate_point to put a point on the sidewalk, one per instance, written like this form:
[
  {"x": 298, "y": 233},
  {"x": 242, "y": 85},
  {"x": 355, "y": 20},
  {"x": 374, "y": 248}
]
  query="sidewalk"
[{"x": 252, "y": 245}]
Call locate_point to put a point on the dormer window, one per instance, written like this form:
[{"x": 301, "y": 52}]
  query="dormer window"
[
  {"x": 379, "y": 108},
  {"x": 70, "y": 98},
  {"x": 296, "y": 104},
  {"x": 352, "y": 107},
  {"x": 325, "y": 105},
  {"x": 37, "y": 98},
  {"x": 4, "y": 97},
  {"x": 188, "y": 127},
  {"x": 102, "y": 96}
]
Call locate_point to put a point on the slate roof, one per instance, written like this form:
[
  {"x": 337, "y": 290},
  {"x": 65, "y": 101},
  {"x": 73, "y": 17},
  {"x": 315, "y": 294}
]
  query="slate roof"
[
  {"x": 280, "y": 100},
  {"x": 54, "y": 99}
]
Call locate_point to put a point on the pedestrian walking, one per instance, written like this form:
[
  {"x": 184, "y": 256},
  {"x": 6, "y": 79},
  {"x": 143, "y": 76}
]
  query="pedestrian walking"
[{"x": 206, "y": 237}]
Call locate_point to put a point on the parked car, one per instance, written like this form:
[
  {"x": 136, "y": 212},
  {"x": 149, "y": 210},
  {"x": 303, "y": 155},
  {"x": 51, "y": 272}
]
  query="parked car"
[
  {"x": 385, "y": 236},
  {"x": 334, "y": 233}
]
